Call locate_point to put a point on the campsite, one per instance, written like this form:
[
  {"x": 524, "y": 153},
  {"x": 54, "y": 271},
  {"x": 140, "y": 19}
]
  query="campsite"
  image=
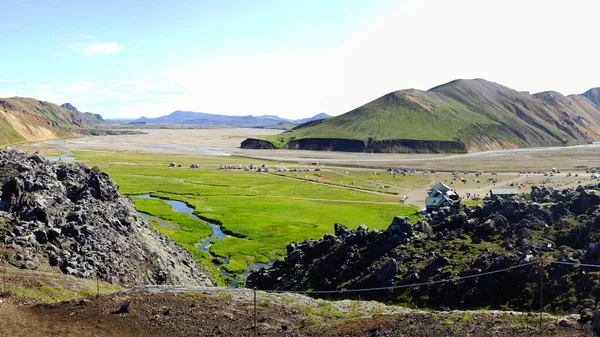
[{"x": 291, "y": 198}]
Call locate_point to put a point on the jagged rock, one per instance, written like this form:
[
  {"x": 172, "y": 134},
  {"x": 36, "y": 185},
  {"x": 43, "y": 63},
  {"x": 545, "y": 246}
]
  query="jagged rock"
[
  {"x": 586, "y": 315},
  {"x": 70, "y": 216},
  {"x": 341, "y": 230},
  {"x": 424, "y": 227},
  {"x": 508, "y": 235},
  {"x": 125, "y": 308},
  {"x": 400, "y": 227},
  {"x": 596, "y": 320}
]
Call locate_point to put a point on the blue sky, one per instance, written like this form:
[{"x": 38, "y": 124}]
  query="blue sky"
[{"x": 289, "y": 58}]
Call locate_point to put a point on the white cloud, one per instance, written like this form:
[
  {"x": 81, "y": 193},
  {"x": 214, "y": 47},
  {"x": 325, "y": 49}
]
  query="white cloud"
[
  {"x": 94, "y": 48},
  {"x": 532, "y": 45}
]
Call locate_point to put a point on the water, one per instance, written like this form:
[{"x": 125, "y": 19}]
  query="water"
[
  {"x": 68, "y": 156},
  {"x": 205, "y": 245},
  {"x": 182, "y": 207},
  {"x": 257, "y": 266}
]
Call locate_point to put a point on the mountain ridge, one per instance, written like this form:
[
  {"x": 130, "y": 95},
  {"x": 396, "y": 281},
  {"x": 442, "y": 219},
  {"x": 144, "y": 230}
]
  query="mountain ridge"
[
  {"x": 458, "y": 116},
  {"x": 208, "y": 119},
  {"x": 28, "y": 119}
]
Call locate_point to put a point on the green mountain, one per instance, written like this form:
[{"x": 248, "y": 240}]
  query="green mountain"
[
  {"x": 459, "y": 116},
  {"x": 27, "y": 119}
]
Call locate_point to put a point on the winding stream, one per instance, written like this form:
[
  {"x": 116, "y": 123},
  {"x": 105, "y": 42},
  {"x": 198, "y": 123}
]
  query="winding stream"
[
  {"x": 69, "y": 155},
  {"x": 180, "y": 206},
  {"x": 218, "y": 234}
]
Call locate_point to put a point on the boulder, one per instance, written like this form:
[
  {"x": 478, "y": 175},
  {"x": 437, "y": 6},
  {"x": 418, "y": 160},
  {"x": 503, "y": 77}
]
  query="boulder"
[{"x": 69, "y": 216}]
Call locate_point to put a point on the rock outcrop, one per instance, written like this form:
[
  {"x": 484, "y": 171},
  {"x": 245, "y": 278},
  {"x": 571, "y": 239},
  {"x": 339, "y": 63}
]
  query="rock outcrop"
[
  {"x": 560, "y": 225},
  {"x": 69, "y": 216}
]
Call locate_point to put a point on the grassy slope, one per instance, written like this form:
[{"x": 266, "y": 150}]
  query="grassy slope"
[
  {"x": 50, "y": 287},
  {"x": 400, "y": 115},
  {"x": 470, "y": 111},
  {"x": 269, "y": 211}
]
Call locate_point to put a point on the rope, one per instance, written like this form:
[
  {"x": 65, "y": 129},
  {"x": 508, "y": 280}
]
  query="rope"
[
  {"x": 339, "y": 291},
  {"x": 399, "y": 286},
  {"x": 577, "y": 264}
]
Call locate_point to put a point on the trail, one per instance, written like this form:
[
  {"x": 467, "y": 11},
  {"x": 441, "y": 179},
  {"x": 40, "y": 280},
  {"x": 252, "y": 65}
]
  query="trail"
[{"x": 333, "y": 185}]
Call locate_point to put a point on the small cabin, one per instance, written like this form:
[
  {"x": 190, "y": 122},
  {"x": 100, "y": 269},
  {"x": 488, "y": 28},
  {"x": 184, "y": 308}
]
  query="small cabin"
[
  {"x": 503, "y": 192},
  {"x": 441, "y": 196}
]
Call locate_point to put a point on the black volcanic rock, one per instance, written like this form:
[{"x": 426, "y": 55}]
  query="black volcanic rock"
[
  {"x": 70, "y": 216},
  {"x": 561, "y": 225}
]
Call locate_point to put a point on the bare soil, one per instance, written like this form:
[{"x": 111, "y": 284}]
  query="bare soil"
[
  {"x": 189, "y": 141},
  {"x": 218, "y": 314}
]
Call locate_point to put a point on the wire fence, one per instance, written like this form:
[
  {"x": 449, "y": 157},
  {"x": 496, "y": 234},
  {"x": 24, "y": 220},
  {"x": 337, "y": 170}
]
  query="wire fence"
[{"x": 13, "y": 277}]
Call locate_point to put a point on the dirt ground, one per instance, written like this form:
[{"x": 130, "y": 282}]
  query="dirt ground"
[
  {"x": 157, "y": 313},
  {"x": 218, "y": 314},
  {"x": 227, "y": 141}
]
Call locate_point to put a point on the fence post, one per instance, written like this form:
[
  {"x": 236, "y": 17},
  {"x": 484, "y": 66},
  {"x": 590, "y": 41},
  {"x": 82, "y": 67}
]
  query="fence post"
[
  {"x": 255, "y": 327},
  {"x": 98, "y": 293},
  {"x": 541, "y": 290}
]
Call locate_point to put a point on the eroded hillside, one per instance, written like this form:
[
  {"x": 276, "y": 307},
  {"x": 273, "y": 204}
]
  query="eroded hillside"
[
  {"x": 27, "y": 119},
  {"x": 459, "y": 116}
]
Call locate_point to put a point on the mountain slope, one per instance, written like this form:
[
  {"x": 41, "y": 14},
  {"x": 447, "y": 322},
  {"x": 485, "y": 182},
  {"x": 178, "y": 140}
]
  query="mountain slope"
[
  {"x": 459, "y": 116},
  {"x": 91, "y": 117},
  {"x": 27, "y": 119},
  {"x": 207, "y": 119},
  {"x": 321, "y": 115},
  {"x": 593, "y": 95}
]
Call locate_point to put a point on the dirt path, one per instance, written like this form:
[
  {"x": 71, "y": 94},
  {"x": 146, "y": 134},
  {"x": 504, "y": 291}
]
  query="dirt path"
[{"x": 333, "y": 185}]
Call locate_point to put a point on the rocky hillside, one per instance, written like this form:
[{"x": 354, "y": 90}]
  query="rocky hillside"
[
  {"x": 27, "y": 119},
  {"x": 593, "y": 95},
  {"x": 557, "y": 225},
  {"x": 69, "y": 217},
  {"x": 91, "y": 117},
  {"x": 460, "y": 116}
]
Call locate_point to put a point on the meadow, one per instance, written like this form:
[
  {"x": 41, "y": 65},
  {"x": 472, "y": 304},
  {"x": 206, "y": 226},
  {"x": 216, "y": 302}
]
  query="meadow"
[{"x": 261, "y": 212}]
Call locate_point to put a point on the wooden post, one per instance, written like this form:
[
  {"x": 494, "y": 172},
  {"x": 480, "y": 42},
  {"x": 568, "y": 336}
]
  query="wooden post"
[
  {"x": 98, "y": 293},
  {"x": 541, "y": 290},
  {"x": 3, "y": 279},
  {"x": 255, "y": 327}
]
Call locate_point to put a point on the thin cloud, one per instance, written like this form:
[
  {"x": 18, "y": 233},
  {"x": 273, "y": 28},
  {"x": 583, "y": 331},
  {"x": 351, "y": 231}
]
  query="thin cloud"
[{"x": 94, "y": 48}]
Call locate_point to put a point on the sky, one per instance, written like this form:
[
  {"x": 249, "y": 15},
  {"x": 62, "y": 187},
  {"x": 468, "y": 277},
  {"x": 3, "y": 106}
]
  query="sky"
[{"x": 294, "y": 59}]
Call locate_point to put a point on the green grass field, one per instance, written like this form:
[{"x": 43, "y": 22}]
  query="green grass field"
[{"x": 263, "y": 212}]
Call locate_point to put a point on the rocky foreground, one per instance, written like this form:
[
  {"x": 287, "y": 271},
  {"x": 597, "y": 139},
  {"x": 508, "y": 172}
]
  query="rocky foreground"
[
  {"x": 217, "y": 311},
  {"x": 68, "y": 216},
  {"x": 557, "y": 225}
]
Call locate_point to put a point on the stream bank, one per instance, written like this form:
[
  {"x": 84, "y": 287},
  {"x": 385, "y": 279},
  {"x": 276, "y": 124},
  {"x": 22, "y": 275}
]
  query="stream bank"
[{"x": 204, "y": 246}]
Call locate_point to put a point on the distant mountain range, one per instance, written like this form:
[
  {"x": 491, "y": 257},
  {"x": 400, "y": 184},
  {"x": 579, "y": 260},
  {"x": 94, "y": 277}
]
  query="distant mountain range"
[
  {"x": 207, "y": 119},
  {"x": 459, "y": 116},
  {"x": 27, "y": 119}
]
